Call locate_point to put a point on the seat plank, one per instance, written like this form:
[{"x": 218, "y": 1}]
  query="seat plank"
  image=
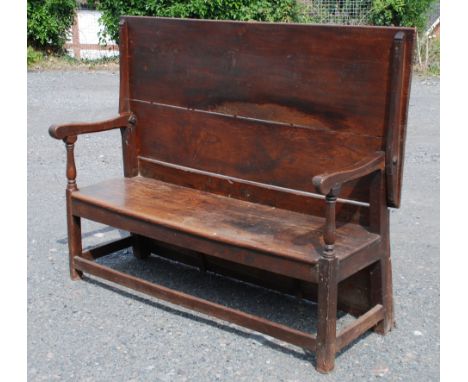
[{"x": 231, "y": 221}]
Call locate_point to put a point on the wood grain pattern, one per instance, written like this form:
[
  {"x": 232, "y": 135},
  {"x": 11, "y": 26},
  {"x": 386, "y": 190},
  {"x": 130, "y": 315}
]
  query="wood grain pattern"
[
  {"x": 400, "y": 77},
  {"x": 226, "y": 220},
  {"x": 327, "y": 182},
  {"x": 259, "y": 151},
  {"x": 347, "y": 210},
  {"x": 325, "y": 77},
  {"x": 358, "y": 327},
  {"x": 287, "y": 266},
  {"x": 72, "y": 129},
  {"x": 268, "y": 152},
  {"x": 335, "y": 77},
  {"x": 327, "y": 310}
]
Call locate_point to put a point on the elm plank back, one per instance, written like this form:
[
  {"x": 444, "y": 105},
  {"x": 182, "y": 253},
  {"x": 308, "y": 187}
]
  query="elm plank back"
[
  {"x": 268, "y": 103},
  {"x": 237, "y": 140}
]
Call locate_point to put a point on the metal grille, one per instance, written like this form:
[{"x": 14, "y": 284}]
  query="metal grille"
[{"x": 348, "y": 12}]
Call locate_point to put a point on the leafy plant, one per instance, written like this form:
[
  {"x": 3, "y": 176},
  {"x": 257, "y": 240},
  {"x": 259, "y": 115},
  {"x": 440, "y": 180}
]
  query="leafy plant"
[
  {"x": 410, "y": 13},
  {"x": 262, "y": 10},
  {"x": 34, "y": 56},
  {"x": 428, "y": 56},
  {"x": 352, "y": 12},
  {"x": 434, "y": 56},
  {"x": 49, "y": 22}
]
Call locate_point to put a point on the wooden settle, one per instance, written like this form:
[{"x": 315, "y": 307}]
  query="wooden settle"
[{"x": 266, "y": 152}]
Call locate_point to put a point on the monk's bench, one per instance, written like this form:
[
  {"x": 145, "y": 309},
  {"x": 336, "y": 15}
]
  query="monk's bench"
[{"x": 267, "y": 152}]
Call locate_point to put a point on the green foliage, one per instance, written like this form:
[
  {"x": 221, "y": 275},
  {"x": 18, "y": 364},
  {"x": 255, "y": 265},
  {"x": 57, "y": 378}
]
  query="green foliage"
[
  {"x": 434, "y": 57},
  {"x": 261, "y": 10},
  {"x": 428, "y": 59},
  {"x": 410, "y": 13},
  {"x": 34, "y": 56},
  {"x": 49, "y": 22},
  {"x": 348, "y": 12}
]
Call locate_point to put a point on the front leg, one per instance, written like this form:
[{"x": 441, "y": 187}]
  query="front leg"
[
  {"x": 73, "y": 222},
  {"x": 327, "y": 291}
]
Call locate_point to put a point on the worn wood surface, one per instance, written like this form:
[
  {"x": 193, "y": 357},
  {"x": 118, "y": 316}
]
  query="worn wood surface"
[
  {"x": 226, "y": 220},
  {"x": 242, "y": 189},
  {"x": 329, "y": 78},
  {"x": 268, "y": 152},
  {"x": 358, "y": 327},
  {"x": 105, "y": 249},
  {"x": 73, "y": 129},
  {"x": 259, "y": 151}
]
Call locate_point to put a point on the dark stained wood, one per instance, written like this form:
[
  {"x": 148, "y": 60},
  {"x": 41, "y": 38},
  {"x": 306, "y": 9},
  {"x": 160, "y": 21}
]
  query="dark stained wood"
[
  {"x": 71, "y": 167},
  {"x": 329, "y": 77},
  {"x": 326, "y": 182},
  {"x": 353, "y": 290},
  {"x": 108, "y": 248},
  {"x": 129, "y": 143},
  {"x": 381, "y": 275},
  {"x": 327, "y": 309},
  {"x": 124, "y": 91},
  {"x": 293, "y": 200},
  {"x": 242, "y": 224},
  {"x": 328, "y": 289},
  {"x": 73, "y": 222},
  {"x": 358, "y": 327},
  {"x": 296, "y": 337},
  {"x": 73, "y": 129},
  {"x": 129, "y": 148},
  {"x": 140, "y": 247},
  {"x": 128, "y": 134},
  {"x": 400, "y": 80},
  {"x": 265, "y": 152},
  {"x": 329, "y": 232},
  {"x": 257, "y": 151},
  {"x": 258, "y": 259},
  {"x": 360, "y": 260}
]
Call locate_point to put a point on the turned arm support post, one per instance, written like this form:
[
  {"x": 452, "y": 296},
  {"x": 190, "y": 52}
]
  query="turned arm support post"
[
  {"x": 69, "y": 134},
  {"x": 329, "y": 184},
  {"x": 71, "y": 167},
  {"x": 329, "y": 234}
]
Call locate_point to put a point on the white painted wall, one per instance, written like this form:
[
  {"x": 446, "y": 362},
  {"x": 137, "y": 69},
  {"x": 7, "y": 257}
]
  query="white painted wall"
[{"x": 89, "y": 28}]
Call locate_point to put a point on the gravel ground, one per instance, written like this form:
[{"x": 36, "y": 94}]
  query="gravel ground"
[{"x": 93, "y": 331}]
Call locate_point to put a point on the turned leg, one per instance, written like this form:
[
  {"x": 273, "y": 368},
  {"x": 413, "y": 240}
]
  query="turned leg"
[
  {"x": 140, "y": 247},
  {"x": 73, "y": 222},
  {"x": 327, "y": 292}
]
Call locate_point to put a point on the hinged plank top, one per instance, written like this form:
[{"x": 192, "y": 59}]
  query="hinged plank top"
[{"x": 327, "y": 78}]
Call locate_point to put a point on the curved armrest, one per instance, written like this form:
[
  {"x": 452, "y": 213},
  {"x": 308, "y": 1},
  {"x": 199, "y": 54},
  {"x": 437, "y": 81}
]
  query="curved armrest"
[
  {"x": 73, "y": 129},
  {"x": 325, "y": 183}
]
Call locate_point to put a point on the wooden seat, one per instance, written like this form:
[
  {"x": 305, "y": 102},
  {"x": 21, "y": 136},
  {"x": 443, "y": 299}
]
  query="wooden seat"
[{"x": 230, "y": 221}]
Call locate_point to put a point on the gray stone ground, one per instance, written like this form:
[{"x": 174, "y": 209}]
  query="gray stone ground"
[{"x": 93, "y": 331}]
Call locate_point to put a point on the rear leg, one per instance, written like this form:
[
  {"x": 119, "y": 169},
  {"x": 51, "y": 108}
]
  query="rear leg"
[
  {"x": 382, "y": 293},
  {"x": 140, "y": 247}
]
